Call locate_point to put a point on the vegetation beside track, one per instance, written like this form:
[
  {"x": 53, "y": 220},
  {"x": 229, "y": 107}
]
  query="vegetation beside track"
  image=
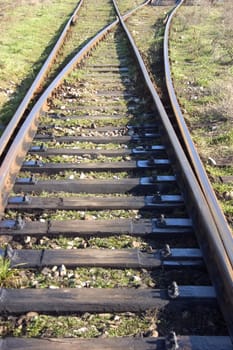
[
  {"x": 201, "y": 61},
  {"x": 83, "y": 326},
  {"x": 147, "y": 28},
  {"x": 26, "y": 40},
  {"x": 125, "y": 6}
]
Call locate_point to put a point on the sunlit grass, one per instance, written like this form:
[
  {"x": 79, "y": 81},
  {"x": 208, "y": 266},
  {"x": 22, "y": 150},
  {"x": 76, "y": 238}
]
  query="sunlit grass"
[
  {"x": 200, "y": 50},
  {"x": 25, "y": 45}
]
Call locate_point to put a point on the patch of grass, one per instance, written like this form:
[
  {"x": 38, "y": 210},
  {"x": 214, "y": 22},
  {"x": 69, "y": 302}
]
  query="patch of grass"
[
  {"x": 9, "y": 277},
  {"x": 223, "y": 190},
  {"x": 125, "y": 6},
  {"x": 75, "y": 175},
  {"x": 90, "y": 278},
  {"x": 147, "y": 28},
  {"x": 225, "y": 139},
  {"x": 85, "y": 215},
  {"x": 24, "y": 45},
  {"x": 112, "y": 242},
  {"x": 76, "y": 159},
  {"x": 200, "y": 51},
  {"x": 5, "y": 271},
  {"x": 85, "y": 326}
]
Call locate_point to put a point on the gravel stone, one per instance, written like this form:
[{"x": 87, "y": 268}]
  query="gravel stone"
[
  {"x": 46, "y": 271},
  {"x": 62, "y": 271}
]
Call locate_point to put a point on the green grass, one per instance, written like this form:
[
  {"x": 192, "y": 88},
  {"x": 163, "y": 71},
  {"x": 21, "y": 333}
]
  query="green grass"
[
  {"x": 90, "y": 278},
  {"x": 223, "y": 189},
  {"x": 76, "y": 159},
  {"x": 112, "y": 242},
  {"x": 5, "y": 271},
  {"x": 82, "y": 145},
  {"x": 8, "y": 277},
  {"x": 86, "y": 326},
  {"x": 225, "y": 139},
  {"x": 147, "y": 28},
  {"x": 125, "y": 6},
  {"x": 200, "y": 55},
  {"x": 86, "y": 215},
  {"x": 24, "y": 45}
]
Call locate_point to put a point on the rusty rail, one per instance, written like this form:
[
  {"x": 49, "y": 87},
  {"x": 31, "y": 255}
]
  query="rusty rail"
[
  {"x": 219, "y": 263},
  {"x": 12, "y": 125}
]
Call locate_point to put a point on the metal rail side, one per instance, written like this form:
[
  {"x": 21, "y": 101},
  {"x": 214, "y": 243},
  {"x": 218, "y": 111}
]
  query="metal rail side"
[{"x": 214, "y": 252}]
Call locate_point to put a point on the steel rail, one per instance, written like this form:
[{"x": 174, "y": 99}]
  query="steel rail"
[
  {"x": 217, "y": 261},
  {"x": 12, "y": 125},
  {"x": 192, "y": 154}
]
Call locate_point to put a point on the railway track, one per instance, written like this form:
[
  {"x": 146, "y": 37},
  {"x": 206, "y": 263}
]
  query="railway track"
[{"x": 96, "y": 179}]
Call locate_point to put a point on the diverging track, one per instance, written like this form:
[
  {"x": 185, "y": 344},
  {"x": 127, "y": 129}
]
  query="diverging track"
[{"x": 104, "y": 170}]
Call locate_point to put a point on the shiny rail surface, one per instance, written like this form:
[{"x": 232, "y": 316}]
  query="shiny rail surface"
[{"x": 210, "y": 241}]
